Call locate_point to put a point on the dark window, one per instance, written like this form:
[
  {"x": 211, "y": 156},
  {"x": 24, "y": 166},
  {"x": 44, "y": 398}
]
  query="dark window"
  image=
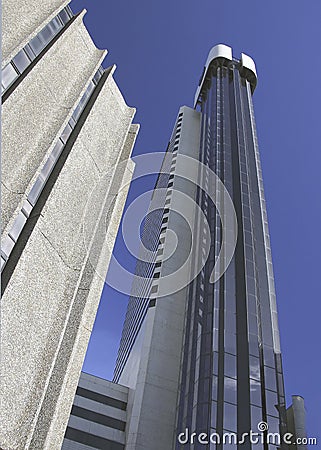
[
  {"x": 97, "y": 397},
  {"x": 21, "y": 61},
  {"x": 98, "y": 418},
  {"x": 64, "y": 16},
  {"x": 91, "y": 440}
]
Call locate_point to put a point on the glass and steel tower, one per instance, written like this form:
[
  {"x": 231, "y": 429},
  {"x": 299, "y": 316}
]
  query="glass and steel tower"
[
  {"x": 239, "y": 381},
  {"x": 206, "y": 356}
]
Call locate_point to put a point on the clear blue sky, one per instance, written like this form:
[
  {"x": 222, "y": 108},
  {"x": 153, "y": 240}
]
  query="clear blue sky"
[{"x": 160, "y": 49}]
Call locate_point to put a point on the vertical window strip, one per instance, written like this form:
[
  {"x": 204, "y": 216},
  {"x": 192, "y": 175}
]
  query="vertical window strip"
[
  {"x": 10, "y": 240},
  {"x": 29, "y": 52}
]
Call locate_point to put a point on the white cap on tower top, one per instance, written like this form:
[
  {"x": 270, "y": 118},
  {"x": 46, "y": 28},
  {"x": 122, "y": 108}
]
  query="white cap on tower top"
[
  {"x": 225, "y": 52},
  {"x": 248, "y": 63}
]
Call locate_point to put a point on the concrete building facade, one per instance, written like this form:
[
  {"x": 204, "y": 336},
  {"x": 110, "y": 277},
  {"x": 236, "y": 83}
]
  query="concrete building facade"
[
  {"x": 98, "y": 417},
  {"x": 65, "y": 130}
]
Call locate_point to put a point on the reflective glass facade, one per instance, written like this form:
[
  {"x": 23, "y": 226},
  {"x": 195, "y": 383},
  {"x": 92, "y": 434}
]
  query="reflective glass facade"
[{"x": 231, "y": 374}]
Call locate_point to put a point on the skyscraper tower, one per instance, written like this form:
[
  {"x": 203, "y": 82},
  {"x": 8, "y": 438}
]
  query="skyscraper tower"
[{"x": 200, "y": 348}]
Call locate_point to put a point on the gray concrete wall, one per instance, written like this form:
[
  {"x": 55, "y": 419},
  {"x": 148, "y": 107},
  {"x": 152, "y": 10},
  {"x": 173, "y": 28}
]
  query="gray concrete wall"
[
  {"x": 50, "y": 303},
  {"x": 21, "y": 22},
  {"x": 38, "y": 110}
]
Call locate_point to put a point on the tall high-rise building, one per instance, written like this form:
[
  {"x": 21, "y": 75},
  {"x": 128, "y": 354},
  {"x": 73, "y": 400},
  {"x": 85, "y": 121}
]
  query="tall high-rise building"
[
  {"x": 200, "y": 348},
  {"x": 67, "y": 136}
]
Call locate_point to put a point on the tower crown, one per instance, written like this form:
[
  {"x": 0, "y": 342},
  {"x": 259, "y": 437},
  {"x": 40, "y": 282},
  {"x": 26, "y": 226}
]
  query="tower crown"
[{"x": 222, "y": 53}]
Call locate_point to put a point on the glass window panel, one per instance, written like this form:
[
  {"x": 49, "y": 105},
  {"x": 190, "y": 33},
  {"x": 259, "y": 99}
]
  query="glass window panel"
[
  {"x": 21, "y": 61},
  {"x": 64, "y": 16},
  {"x": 230, "y": 322},
  {"x": 77, "y": 112},
  {"x": 216, "y": 318},
  {"x": 66, "y": 133},
  {"x": 213, "y": 414},
  {"x": 230, "y": 390},
  {"x": 97, "y": 77},
  {"x": 47, "y": 168},
  {"x": 253, "y": 345},
  {"x": 215, "y": 363},
  {"x": 69, "y": 11},
  {"x": 57, "y": 149},
  {"x": 29, "y": 52},
  {"x": 7, "y": 245},
  {"x": 36, "y": 45},
  {"x": 215, "y": 339},
  {"x": 55, "y": 26},
  {"x": 268, "y": 356},
  {"x": 90, "y": 88},
  {"x": 274, "y": 426},
  {"x": 250, "y": 285},
  {"x": 230, "y": 343},
  {"x": 255, "y": 368},
  {"x": 230, "y": 365},
  {"x": 27, "y": 207},
  {"x": 18, "y": 226},
  {"x": 251, "y": 304},
  {"x": 229, "y": 440},
  {"x": 230, "y": 417},
  {"x": 72, "y": 122},
  {"x": 256, "y": 416},
  {"x": 46, "y": 34},
  {"x": 83, "y": 100},
  {"x": 252, "y": 324},
  {"x": 9, "y": 74},
  {"x": 214, "y": 387},
  {"x": 35, "y": 191},
  {"x": 271, "y": 402},
  {"x": 255, "y": 392},
  {"x": 270, "y": 378}
]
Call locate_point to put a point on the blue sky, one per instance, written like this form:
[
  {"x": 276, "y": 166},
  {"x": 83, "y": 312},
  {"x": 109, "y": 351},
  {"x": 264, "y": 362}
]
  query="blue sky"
[{"x": 160, "y": 49}]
